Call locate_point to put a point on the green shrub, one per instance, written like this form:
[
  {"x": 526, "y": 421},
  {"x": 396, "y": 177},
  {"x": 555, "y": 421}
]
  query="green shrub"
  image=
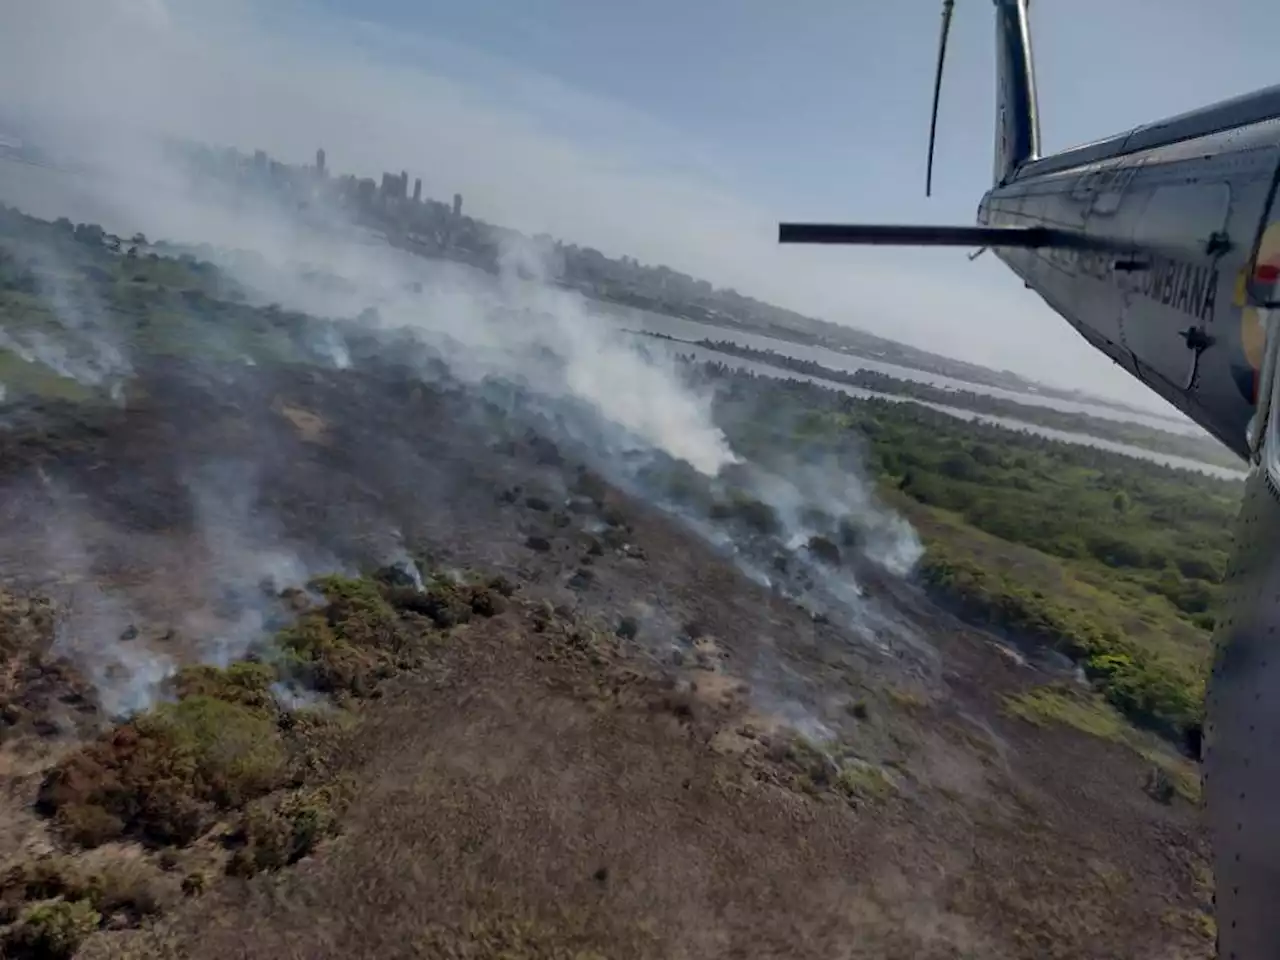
[
  {"x": 863, "y": 781},
  {"x": 361, "y": 636},
  {"x": 759, "y": 516},
  {"x": 1149, "y": 690},
  {"x": 282, "y": 833},
  {"x": 244, "y": 682},
  {"x": 51, "y": 931},
  {"x": 825, "y": 550},
  {"x": 115, "y": 888},
  {"x": 360, "y": 614},
  {"x": 1200, "y": 566},
  {"x": 447, "y": 603},
  {"x": 1115, "y": 551},
  {"x": 238, "y": 754},
  {"x": 194, "y": 884},
  {"x": 161, "y": 776},
  {"x": 349, "y": 644}
]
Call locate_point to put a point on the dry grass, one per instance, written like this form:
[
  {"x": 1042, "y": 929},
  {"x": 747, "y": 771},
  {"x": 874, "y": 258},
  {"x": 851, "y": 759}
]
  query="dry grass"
[
  {"x": 1090, "y": 714},
  {"x": 553, "y": 799}
]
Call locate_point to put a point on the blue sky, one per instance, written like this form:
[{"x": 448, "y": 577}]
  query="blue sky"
[
  {"x": 818, "y": 108},
  {"x": 672, "y": 131},
  {"x": 823, "y": 104}
]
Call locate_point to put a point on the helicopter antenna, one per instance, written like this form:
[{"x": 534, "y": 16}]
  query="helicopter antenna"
[{"x": 947, "y": 7}]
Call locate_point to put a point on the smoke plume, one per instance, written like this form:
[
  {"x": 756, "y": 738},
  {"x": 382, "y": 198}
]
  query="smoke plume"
[{"x": 621, "y": 408}]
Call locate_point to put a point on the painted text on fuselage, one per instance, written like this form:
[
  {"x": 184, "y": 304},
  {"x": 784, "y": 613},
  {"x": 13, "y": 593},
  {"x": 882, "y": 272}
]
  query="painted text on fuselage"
[
  {"x": 1186, "y": 287},
  {"x": 1189, "y": 288}
]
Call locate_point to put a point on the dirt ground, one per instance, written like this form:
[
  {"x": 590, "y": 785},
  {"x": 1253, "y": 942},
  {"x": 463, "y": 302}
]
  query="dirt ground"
[{"x": 528, "y": 797}]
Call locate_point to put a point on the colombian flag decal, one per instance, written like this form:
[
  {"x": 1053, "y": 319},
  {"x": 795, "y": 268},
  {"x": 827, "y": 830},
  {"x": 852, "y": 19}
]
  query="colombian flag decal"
[{"x": 1266, "y": 273}]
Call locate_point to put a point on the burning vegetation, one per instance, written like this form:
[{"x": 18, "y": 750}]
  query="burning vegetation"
[{"x": 320, "y": 618}]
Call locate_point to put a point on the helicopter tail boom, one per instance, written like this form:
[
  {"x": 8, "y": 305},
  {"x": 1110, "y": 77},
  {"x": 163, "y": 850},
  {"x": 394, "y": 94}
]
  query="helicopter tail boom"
[
  {"x": 1017, "y": 112},
  {"x": 925, "y": 235}
]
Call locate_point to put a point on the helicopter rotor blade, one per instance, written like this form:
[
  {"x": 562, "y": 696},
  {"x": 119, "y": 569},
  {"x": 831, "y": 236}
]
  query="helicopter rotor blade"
[{"x": 947, "y": 8}]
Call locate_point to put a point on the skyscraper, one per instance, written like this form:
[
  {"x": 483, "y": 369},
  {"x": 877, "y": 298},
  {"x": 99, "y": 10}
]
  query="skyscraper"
[
  {"x": 320, "y": 161},
  {"x": 417, "y": 190},
  {"x": 457, "y": 205}
]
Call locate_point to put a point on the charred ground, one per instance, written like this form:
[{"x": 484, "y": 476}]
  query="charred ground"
[{"x": 483, "y": 693}]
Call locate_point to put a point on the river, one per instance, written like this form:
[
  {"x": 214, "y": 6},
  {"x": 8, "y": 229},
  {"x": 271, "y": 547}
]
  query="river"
[
  {"x": 683, "y": 329},
  {"x": 768, "y": 370}
]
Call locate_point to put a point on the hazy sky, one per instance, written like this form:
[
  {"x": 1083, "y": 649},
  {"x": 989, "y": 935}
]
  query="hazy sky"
[{"x": 678, "y": 132}]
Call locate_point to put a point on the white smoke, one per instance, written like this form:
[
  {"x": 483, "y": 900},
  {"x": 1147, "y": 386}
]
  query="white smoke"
[
  {"x": 96, "y": 628},
  {"x": 292, "y": 697},
  {"x": 519, "y": 327},
  {"x": 484, "y": 328},
  {"x": 597, "y": 364},
  {"x": 88, "y": 367},
  {"x": 404, "y": 564},
  {"x": 798, "y": 490},
  {"x": 247, "y": 565},
  {"x": 229, "y": 590},
  {"x": 328, "y": 342},
  {"x": 82, "y": 344}
]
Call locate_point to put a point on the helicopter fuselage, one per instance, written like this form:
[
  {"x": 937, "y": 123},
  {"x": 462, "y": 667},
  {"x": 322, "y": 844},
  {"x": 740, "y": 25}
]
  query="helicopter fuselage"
[
  {"x": 1175, "y": 222},
  {"x": 1177, "y": 283}
]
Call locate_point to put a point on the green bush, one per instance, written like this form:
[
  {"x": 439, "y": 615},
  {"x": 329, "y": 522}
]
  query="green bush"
[
  {"x": 825, "y": 550},
  {"x": 51, "y": 931},
  {"x": 284, "y": 832},
  {"x": 349, "y": 644},
  {"x": 1202, "y": 567},
  {"x": 361, "y": 636},
  {"x": 236, "y": 753},
  {"x": 115, "y": 888},
  {"x": 756, "y": 515},
  {"x": 245, "y": 683},
  {"x": 161, "y": 776},
  {"x": 1115, "y": 551},
  {"x": 1150, "y": 691},
  {"x": 863, "y": 781}
]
